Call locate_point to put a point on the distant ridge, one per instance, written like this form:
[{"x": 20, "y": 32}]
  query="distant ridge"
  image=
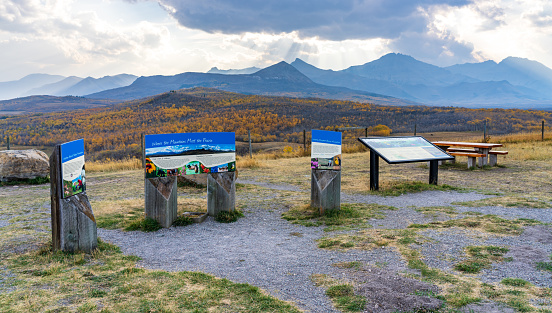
[
  {"x": 249, "y": 70},
  {"x": 280, "y": 79}
]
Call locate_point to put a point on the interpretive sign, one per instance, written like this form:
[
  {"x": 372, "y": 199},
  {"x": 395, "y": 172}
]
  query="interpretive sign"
[
  {"x": 325, "y": 150},
  {"x": 72, "y": 167},
  {"x": 189, "y": 153},
  {"x": 405, "y": 149}
]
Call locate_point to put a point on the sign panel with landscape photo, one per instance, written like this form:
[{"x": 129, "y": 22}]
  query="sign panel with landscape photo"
[
  {"x": 189, "y": 153},
  {"x": 325, "y": 150},
  {"x": 405, "y": 149},
  {"x": 72, "y": 167}
]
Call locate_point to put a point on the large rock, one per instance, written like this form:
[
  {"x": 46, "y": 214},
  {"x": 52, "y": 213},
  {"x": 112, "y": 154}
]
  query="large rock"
[{"x": 23, "y": 164}]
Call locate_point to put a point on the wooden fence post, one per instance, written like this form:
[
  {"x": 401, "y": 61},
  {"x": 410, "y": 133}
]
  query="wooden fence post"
[
  {"x": 250, "y": 152},
  {"x": 221, "y": 192},
  {"x": 8, "y": 143},
  {"x": 542, "y": 134},
  {"x": 415, "y": 129},
  {"x": 326, "y": 190},
  {"x": 143, "y": 149},
  {"x": 304, "y": 140},
  {"x": 73, "y": 223},
  {"x": 161, "y": 199}
]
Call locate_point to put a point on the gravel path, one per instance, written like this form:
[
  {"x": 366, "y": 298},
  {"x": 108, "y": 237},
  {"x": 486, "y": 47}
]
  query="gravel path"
[
  {"x": 264, "y": 250},
  {"x": 261, "y": 249}
]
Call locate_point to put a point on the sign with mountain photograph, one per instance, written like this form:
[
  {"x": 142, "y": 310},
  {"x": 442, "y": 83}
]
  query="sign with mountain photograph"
[
  {"x": 404, "y": 149},
  {"x": 325, "y": 150},
  {"x": 72, "y": 167},
  {"x": 189, "y": 153}
]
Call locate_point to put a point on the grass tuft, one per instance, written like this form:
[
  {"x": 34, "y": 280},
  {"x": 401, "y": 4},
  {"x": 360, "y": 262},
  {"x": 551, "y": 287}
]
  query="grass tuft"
[
  {"x": 228, "y": 216},
  {"x": 144, "y": 224}
]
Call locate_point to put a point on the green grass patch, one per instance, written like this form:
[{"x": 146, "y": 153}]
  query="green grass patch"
[
  {"x": 516, "y": 282},
  {"x": 144, "y": 224},
  {"x": 394, "y": 189},
  {"x": 182, "y": 220},
  {"x": 108, "y": 281},
  {"x": 342, "y": 294},
  {"x": 350, "y": 216},
  {"x": 545, "y": 266},
  {"x": 33, "y": 181},
  {"x": 480, "y": 257},
  {"x": 228, "y": 216}
]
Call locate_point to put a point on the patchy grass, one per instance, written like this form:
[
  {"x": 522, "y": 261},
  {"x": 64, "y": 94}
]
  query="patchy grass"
[
  {"x": 509, "y": 201},
  {"x": 108, "y": 281},
  {"x": 545, "y": 266},
  {"x": 228, "y": 216},
  {"x": 516, "y": 282},
  {"x": 350, "y": 216},
  {"x": 143, "y": 224},
  {"x": 397, "y": 188},
  {"x": 435, "y": 211},
  {"x": 341, "y": 293},
  {"x": 487, "y": 223},
  {"x": 480, "y": 257}
]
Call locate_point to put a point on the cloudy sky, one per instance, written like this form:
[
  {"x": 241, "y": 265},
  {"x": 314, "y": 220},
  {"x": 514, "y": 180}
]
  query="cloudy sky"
[{"x": 165, "y": 37}]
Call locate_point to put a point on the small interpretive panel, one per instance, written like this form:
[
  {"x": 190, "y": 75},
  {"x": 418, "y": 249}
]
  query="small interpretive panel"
[
  {"x": 72, "y": 167},
  {"x": 325, "y": 150},
  {"x": 189, "y": 153},
  {"x": 404, "y": 149}
]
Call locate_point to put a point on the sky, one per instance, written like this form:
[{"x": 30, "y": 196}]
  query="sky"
[{"x": 166, "y": 37}]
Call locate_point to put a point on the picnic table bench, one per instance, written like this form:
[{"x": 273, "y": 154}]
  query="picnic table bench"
[{"x": 481, "y": 151}]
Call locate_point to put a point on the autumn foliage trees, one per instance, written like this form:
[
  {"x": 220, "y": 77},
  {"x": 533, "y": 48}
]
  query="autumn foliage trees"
[{"x": 115, "y": 132}]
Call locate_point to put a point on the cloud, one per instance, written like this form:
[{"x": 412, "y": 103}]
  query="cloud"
[{"x": 326, "y": 19}]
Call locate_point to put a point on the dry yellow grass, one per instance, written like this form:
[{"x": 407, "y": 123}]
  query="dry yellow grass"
[{"x": 114, "y": 165}]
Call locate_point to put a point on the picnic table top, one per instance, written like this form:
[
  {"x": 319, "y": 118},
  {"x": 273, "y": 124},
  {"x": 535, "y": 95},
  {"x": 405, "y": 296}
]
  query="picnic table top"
[{"x": 467, "y": 144}]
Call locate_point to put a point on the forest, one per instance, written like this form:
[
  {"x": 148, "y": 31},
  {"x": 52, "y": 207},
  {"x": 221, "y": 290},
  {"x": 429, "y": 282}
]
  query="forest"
[{"x": 115, "y": 131}]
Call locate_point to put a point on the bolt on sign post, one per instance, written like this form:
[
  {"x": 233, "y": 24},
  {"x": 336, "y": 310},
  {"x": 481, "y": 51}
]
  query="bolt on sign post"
[
  {"x": 171, "y": 155},
  {"x": 405, "y": 149},
  {"x": 73, "y": 222},
  {"x": 325, "y": 170}
]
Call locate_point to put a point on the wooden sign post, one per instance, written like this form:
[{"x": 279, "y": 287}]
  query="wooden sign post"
[
  {"x": 326, "y": 190},
  {"x": 73, "y": 223},
  {"x": 221, "y": 192},
  {"x": 325, "y": 170},
  {"x": 161, "y": 199}
]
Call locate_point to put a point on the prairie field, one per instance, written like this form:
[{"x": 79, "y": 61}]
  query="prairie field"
[{"x": 480, "y": 240}]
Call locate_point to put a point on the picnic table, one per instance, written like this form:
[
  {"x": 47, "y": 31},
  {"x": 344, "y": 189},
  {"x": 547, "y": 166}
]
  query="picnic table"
[{"x": 480, "y": 150}]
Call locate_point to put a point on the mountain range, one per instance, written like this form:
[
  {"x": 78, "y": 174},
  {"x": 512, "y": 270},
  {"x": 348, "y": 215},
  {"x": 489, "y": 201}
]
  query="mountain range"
[
  {"x": 392, "y": 79},
  {"x": 56, "y": 85}
]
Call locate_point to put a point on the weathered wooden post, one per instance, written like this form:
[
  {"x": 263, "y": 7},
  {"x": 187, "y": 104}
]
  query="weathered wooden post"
[
  {"x": 304, "y": 140},
  {"x": 8, "y": 143},
  {"x": 221, "y": 192},
  {"x": 161, "y": 199},
  {"x": 73, "y": 223},
  {"x": 326, "y": 190},
  {"x": 415, "y": 129},
  {"x": 143, "y": 149},
  {"x": 542, "y": 131},
  {"x": 325, "y": 170},
  {"x": 250, "y": 150}
]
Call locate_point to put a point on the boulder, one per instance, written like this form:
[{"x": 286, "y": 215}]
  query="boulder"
[{"x": 23, "y": 164}]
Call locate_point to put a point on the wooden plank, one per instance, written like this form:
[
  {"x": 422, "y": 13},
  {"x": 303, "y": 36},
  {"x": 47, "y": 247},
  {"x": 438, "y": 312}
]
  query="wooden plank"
[
  {"x": 467, "y": 144},
  {"x": 221, "y": 192},
  {"x": 326, "y": 190},
  {"x": 161, "y": 199}
]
